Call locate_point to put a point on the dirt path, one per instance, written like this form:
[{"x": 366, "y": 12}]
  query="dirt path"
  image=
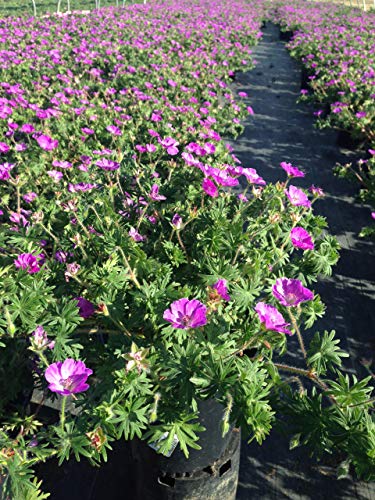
[{"x": 282, "y": 130}]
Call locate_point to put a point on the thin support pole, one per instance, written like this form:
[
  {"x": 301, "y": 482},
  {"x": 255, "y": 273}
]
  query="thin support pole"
[{"x": 34, "y": 7}]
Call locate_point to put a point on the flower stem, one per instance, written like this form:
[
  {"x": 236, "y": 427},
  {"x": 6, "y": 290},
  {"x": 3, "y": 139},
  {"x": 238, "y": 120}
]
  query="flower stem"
[
  {"x": 43, "y": 358},
  {"x": 245, "y": 346},
  {"x": 49, "y": 232},
  {"x": 309, "y": 374},
  {"x": 62, "y": 413},
  {"x": 131, "y": 272},
  {"x": 298, "y": 332},
  {"x": 183, "y": 246}
]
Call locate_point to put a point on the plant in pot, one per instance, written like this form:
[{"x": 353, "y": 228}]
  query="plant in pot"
[
  {"x": 150, "y": 284},
  {"x": 168, "y": 321}
]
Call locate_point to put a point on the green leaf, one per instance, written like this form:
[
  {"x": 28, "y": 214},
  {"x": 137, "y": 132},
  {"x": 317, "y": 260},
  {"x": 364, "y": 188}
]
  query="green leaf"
[{"x": 324, "y": 353}]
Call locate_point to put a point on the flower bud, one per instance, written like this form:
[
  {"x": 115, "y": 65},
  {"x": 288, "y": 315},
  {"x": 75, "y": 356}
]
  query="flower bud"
[
  {"x": 37, "y": 216},
  {"x": 274, "y": 218},
  {"x": 295, "y": 217},
  {"x": 103, "y": 309}
]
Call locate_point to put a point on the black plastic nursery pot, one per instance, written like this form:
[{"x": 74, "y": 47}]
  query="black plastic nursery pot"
[
  {"x": 210, "y": 473},
  {"x": 346, "y": 140},
  {"x": 286, "y": 36}
]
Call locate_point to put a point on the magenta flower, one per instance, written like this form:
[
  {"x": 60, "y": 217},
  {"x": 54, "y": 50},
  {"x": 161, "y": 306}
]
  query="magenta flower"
[
  {"x": 55, "y": 175},
  {"x": 29, "y": 197},
  {"x": 68, "y": 377},
  {"x": 297, "y": 197},
  {"x": 221, "y": 288},
  {"x": 28, "y": 262},
  {"x": 20, "y": 219},
  {"x": 373, "y": 215},
  {"x": 88, "y": 131},
  {"x": 71, "y": 270},
  {"x": 170, "y": 145},
  {"x": 4, "y": 148},
  {"x": 210, "y": 188},
  {"x": 5, "y": 169},
  {"x": 301, "y": 238},
  {"x": 86, "y": 308},
  {"x": 106, "y": 164},
  {"x": 112, "y": 129},
  {"x": 316, "y": 191},
  {"x": 62, "y": 164},
  {"x": 81, "y": 186},
  {"x": 47, "y": 143},
  {"x": 252, "y": 176},
  {"x": 290, "y": 292},
  {"x": 290, "y": 170},
  {"x": 154, "y": 194},
  {"x": 134, "y": 234},
  {"x": 271, "y": 318},
  {"x": 27, "y": 128},
  {"x": 177, "y": 221},
  {"x": 40, "y": 339},
  {"x": 185, "y": 313}
]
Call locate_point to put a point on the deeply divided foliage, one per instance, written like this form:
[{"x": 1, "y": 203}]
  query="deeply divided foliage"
[{"x": 143, "y": 268}]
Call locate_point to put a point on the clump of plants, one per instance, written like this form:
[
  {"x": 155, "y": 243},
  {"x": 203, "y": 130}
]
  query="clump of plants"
[
  {"x": 143, "y": 268},
  {"x": 335, "y": 44}
]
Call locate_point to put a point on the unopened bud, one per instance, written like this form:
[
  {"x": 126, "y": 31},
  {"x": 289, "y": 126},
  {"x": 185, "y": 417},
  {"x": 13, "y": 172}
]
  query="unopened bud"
[
  {"x": 295, "y": 217},
  {"x": 274, "y": 218},
  {"x": 37, "y": 217},
  {"x": 102, "y": 308}
]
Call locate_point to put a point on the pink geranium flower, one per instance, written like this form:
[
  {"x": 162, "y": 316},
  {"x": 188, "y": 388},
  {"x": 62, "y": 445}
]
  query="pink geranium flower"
[
  {"x": 154, "y": 194},
  {"x": 47, "y": 143},
  {"x": 290, "y": 292},
  {"x": 297, "y": 197},
  {"x": 270, "y": 317},
  {"x": 28, "y": 262},
  {"x": 29, "y": 197},
  {"x": 86, "y": 308},
  {"x": 177, "y": 221},
  {"x": 185, "y": 313},
  {"x": 221, "y": 287},
  {"x": 290, "y": 170},
  {"x": 68, "y": 377},
  {"x": 210, "y": 188},
  {"x": 40, "y": 340},
  {"x": 112, "y": 129},
  {"x": 170, "y": 145},
  {"x": 55, "y": 175},
  {"x": 106, "y": 164},
  {"x": 5, "y": 169},
  {"x": 134, "y": 234},
  {"x": 4, "y": 148},
  {"x": 316, "y": 191},
  {"x": 301, "y": 238}
]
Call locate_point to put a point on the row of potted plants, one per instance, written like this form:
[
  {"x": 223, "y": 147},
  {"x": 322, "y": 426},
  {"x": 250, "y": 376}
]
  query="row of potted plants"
[
  {"x": 144, "y": 268},
  {"x": 336, "y": 47}
]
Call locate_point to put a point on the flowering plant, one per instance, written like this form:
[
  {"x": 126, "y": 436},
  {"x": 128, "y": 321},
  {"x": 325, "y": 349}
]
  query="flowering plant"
[{"x": 140, "y": 260}]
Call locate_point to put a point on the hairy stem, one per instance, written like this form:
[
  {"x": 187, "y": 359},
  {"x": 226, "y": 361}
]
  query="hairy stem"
[
  {"x": 131, "y": 272},
  {"x": 298, "y": 332},
  {"x": 62, "y": 413}
]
